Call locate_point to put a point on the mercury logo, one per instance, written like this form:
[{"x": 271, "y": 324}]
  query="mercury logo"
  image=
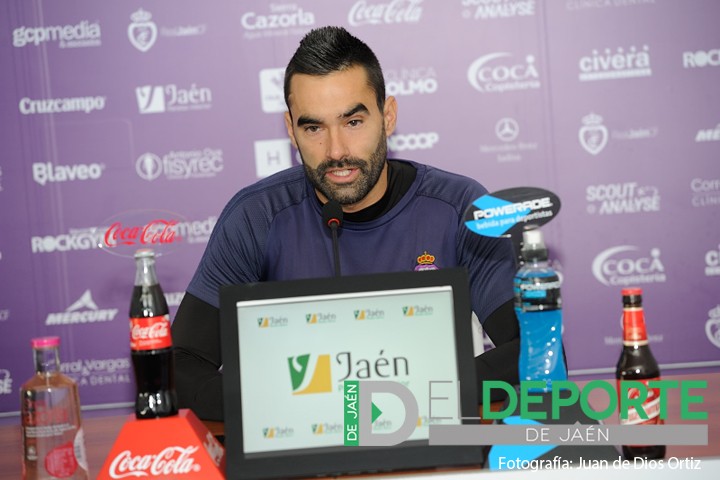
[
  {"x": 622, "y": 266},
  {"x": 84, "y": 310}
]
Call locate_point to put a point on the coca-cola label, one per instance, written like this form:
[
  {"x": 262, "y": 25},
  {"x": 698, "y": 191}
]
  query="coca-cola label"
[
  {"x": 172, "y": 460},
  {"x": 60, "y": 462},
  {"x": 150, "y": 333},
  {"x": 651, "y": 404}
]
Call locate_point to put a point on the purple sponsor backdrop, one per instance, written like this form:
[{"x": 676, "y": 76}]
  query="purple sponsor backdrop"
[{"x": 123, "y": 114}]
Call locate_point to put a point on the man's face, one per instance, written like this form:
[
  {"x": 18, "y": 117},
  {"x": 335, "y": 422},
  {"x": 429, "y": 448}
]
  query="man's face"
[{"x": 335, "y": 124}]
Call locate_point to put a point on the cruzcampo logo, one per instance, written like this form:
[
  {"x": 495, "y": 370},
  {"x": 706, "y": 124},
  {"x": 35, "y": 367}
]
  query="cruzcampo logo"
[{"x": 310, "y": 374}]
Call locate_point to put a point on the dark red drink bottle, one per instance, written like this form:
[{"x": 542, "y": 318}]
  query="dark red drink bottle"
[
  {"x": 638, "y": 363},
  {"x": 151, "y": 343}
]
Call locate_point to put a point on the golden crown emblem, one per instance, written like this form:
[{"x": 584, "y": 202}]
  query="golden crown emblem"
[{"x": 426, "y": 259}]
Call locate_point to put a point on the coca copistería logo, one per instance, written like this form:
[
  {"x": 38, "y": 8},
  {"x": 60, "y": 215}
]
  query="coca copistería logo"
[
  {"x": 170, "y": 461},
  {"x": 155, "y": 232}
]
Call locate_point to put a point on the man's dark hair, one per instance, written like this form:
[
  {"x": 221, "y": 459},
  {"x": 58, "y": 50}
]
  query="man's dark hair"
[{"x": 332, "y": 49}]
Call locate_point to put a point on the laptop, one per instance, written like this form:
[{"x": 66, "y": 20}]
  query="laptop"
[{"x": 289, "y": 347}]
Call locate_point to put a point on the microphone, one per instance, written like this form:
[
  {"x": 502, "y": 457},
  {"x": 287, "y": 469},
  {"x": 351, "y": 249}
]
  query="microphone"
[{"x": 332, "y": 217}]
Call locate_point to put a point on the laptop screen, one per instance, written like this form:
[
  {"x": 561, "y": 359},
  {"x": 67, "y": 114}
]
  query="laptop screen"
[{"x": 288, "y": 348}]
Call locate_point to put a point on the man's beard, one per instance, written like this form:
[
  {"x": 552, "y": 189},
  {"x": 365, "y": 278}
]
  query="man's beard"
[{"x": 350, "y": 193}]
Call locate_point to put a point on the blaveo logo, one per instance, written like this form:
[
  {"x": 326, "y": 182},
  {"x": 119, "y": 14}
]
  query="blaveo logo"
[
  {"x": 621, "y": 266},
  {"x": 47, "y": 172}
]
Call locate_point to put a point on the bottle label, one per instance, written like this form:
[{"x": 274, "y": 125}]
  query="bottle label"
[
  {"x": 634, "y": 331},
  {"x": 651, "y": 404},
  {"x": 60, "y": 461},
  {"x": 534, "y": 293},
  {"x": 150, "y": 333}
]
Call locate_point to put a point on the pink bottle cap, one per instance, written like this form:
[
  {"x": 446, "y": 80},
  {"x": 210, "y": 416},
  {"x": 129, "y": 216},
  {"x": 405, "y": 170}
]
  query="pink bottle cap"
[{"x": 44, "y": 342}]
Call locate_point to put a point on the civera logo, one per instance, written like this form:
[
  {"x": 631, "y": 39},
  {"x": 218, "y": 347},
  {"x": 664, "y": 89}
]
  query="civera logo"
[{"x": 310, "y": 374}]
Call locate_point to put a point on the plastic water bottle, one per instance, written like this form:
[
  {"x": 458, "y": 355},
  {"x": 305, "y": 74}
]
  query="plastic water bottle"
[
  {"x": 538, "y": 308},
  {"x": 53, "y": 445}
]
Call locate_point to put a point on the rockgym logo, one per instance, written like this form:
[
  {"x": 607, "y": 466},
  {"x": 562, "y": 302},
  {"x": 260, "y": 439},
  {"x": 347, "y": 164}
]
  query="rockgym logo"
[
  {"x": 395, "y": 11},
  {"x": 497, "y": 73},
  {"x": 702, "y": 58},
  {"x": 623, "y": 266},
  {"x": 83, "y": 34},
  {"x": 75, "y": 239},
  {"x": 84, "y": 310},
  {"x": 310, "y": 374},
  {"x": 609, "y": 65},
  {"x": 47, "y": 172}
]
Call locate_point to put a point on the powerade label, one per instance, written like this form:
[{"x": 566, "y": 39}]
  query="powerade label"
[
  {"x": 151, "y": 333},
  {"x": 511, "y": 211},
  {"x": 537, "y": 293}
]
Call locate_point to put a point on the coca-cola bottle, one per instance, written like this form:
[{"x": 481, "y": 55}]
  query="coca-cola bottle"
[
  {"x": 151, "y": 343},
  {"x": 638, "y": 363},
  {"x": 52, "y": 435}
]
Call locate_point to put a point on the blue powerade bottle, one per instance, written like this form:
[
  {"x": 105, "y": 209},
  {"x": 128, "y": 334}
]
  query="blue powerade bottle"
[{"x": 538, "y": 308}]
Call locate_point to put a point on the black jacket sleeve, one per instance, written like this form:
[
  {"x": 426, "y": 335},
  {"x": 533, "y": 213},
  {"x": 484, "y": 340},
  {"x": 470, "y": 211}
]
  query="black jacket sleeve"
[
  {"x": 196, "y": 340},
  {"x": 500, "y": 363}
]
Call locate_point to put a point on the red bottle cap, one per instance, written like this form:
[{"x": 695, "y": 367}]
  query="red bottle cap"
[
  {"x": 631, "y": 291},
  {"x": 44, "y": 342}
]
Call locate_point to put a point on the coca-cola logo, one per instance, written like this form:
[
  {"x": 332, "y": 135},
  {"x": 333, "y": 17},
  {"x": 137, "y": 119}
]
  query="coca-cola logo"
[
  {"x": 156, "y": 330},
  {"x": 170, "y": 461},
  {"x": 155, "y": 232},
  {"x": 125, "y": 232},
  {"x": 395, "y": 11}
]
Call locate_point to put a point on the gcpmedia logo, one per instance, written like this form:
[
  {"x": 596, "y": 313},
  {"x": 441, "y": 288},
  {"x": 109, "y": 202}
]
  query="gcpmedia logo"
[{"x": 310, "y": 374}]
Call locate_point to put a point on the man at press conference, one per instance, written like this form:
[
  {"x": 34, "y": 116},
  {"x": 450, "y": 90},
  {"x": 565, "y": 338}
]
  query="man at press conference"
[{"x": 398, "y": 215}]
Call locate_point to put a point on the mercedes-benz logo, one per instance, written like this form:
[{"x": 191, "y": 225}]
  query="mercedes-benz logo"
[{"x": 507, "y": 129}]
